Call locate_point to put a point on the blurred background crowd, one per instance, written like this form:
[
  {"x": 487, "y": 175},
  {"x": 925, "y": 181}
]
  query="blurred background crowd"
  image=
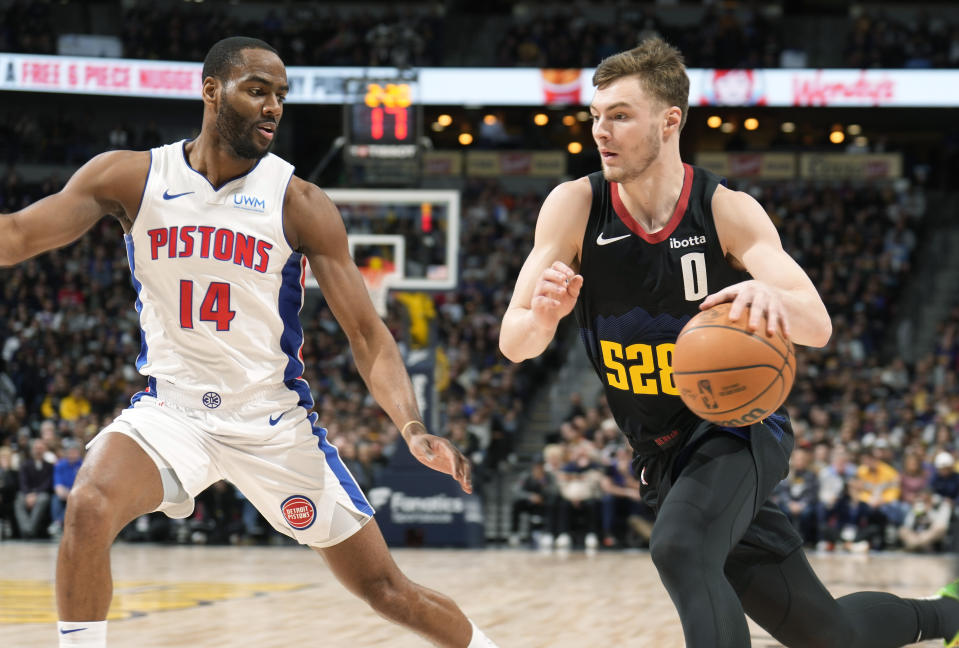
[
  {"x": 716, "y": 35},
  {"x": 875, "y": 429},
  {"x": 876, "y": 412}
]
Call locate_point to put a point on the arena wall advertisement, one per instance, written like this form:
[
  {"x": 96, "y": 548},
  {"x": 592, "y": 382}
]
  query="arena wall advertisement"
[
  {"x": 493, "y": 86},
  {"x": 811, "y": 166}
]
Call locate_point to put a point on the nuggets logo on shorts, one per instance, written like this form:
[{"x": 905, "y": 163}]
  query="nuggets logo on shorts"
[{"x": 299, "y": 512}]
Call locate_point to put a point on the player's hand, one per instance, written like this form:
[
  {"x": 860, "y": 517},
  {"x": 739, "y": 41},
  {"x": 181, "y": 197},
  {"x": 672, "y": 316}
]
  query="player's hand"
[
  {"x": 441, "y": 455},
  {"x": 555, "y": 294},
  {"x": 762, "y": 299}
]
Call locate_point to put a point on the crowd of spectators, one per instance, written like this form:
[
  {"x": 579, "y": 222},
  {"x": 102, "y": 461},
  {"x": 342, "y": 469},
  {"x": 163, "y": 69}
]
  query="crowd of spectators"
[
  {"x": 27, "y": 27},
  {"x": 582, "y": 492},
  {"x": 727, "y": 37},
  {"x": 29, "y": 136},
  {"x": 68, "y": 335},
  {"x": 880, "y": 41},
  {"x": 872, "y": 497},
  {"x": 551, "y": 35},
  {"x": 875, "y": 433},
  {"x": 876, "y": 455},
  {"x": 307, "y": 34},
  {"x": 576, "y": 37},
  {"x": 861, "y": 416}
]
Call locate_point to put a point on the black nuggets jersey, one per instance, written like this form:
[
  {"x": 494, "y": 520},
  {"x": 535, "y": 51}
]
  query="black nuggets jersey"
[{"x": 638, "y": 291}]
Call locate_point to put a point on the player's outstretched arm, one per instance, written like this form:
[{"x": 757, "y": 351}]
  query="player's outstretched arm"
[
  {"x": 315, "y": 228},
  {"x": 548, "y": 286},
  {"x": 780, "y": 288},
  {"x": 110, "y": 183}
]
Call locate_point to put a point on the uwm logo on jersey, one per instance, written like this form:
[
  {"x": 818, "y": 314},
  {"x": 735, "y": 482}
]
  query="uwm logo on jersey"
[{"x": 248, "y": 203}]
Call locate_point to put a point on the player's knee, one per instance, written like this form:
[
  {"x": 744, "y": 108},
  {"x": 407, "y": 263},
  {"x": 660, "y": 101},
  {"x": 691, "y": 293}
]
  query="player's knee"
[
  {"x": 670, "y": 552},
  {"x": 677, "y": 549},
  {"x": 90, "y": 513}
]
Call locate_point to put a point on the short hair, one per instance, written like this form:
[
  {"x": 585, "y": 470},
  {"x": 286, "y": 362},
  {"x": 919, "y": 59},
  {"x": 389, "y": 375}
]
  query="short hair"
[
  {"x": 660, "y": 68},
  {"x": 225, "y": 55}
]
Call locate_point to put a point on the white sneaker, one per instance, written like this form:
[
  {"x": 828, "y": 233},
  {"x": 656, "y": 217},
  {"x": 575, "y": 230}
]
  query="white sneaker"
[
  {"x": 545, "y": 542},
  {"x": 860, "y": 547},
  {"x": 591, "y": 542},
  {"x": 563, "y": 541}
]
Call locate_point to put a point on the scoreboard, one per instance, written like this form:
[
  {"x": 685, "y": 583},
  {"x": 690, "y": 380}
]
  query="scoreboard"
[
  {"x": 384, "y": 116},
  {"x": 383, "y": 127}
]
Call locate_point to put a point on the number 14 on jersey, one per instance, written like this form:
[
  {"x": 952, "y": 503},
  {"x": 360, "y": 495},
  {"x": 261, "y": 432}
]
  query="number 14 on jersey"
[{"x": 215, "y": 306}]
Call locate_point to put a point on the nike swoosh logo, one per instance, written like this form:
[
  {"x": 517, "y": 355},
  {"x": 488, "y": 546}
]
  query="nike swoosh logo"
[
  {"x": 69, "y": 631},
  {"x": 606, "y": 241},
  {"x": 168, "y": 196},
  {"x": 274, "y": 421}
]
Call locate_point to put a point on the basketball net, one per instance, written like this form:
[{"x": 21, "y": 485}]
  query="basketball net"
[{"x": 377, "y": 276}]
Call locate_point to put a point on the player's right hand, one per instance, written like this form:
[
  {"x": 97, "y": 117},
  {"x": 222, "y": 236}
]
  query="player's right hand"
[
  {"x": 441, "y": 455},
  {"x": 555, "y": 294}
]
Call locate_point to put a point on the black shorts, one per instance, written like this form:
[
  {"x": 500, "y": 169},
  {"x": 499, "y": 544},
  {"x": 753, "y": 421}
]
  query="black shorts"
[{"x": 770, "y": 443}]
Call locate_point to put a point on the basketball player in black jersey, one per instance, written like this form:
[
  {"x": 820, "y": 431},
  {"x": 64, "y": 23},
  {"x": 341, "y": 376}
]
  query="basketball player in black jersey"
[{"x": 637, "y": 250}]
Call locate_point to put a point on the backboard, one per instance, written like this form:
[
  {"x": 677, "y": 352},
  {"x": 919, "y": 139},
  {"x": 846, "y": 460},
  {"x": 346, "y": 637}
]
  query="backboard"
[{"x": 417, "y": 230}]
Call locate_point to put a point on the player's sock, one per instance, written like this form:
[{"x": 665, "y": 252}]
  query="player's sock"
[
  {"x": 82, "y": 634},
  {"x": 949, "y": 617},
  {"x": 480, "y": 640}
]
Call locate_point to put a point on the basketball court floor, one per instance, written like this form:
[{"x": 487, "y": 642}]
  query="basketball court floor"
[{"x": 274, "y": 597}]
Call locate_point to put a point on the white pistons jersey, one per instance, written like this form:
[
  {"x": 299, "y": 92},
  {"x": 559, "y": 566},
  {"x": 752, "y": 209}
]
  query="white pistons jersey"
[{"x": 219, "y": 288}]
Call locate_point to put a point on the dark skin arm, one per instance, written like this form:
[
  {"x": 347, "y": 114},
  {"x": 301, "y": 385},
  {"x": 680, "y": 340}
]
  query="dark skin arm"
[
  {"x": 111, "y": 183},
  {"x": 314, "y": 227}
]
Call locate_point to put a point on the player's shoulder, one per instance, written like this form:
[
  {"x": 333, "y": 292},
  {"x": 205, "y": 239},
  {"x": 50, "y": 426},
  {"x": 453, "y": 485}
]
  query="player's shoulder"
[
  {"x": 121, "y": 162},
  {"x": 728, "y": 201},
  {"x": 563, "y": 217},
  {"x": 304, "y": 195},
  {"x": 580, "y": 187},
  {"x": 113, "y": 176},
  {"x": 740, "y": 220},
  {"x": 571, "y": 196},
  {"x": 307, "y": 212}
]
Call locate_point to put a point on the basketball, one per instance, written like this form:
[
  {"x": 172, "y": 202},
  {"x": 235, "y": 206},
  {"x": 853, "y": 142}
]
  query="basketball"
[{"x": 729, "y": 375}]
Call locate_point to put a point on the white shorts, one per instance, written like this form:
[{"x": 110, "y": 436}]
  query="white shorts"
[{"x": 266, "y": 445}]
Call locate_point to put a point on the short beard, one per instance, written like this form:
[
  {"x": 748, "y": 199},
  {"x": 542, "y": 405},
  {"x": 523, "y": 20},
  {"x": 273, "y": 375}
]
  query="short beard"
[
  {"x": 653, "y": 146},
  {"x": 230, "y": 125}
]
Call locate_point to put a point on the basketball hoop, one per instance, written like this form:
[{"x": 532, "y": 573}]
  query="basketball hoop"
[{"x": 377, "y": 277}]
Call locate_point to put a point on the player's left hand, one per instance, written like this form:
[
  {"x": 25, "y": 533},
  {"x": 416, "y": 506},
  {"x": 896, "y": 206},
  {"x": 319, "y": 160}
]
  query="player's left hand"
[
  {"x": 441, "y": 455},
  {"x": 761, "y": 298}
]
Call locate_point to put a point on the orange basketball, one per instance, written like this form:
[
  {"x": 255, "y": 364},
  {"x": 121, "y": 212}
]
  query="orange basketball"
[{"x": 728, "y": 375}]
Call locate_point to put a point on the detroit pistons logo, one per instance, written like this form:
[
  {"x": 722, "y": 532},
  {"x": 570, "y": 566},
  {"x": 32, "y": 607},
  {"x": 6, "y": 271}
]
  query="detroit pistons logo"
[
  {"x": 299, "y": 511},
  {"x": 212, "y": 400}
]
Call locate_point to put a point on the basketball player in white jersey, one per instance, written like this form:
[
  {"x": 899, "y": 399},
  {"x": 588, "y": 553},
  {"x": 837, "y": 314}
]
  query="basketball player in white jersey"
[{"x": 218, "y": 232}]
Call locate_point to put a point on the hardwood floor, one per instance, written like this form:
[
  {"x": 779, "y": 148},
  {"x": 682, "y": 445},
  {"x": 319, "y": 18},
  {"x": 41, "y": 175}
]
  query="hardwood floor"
[{"x": 274, "y": 597}]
